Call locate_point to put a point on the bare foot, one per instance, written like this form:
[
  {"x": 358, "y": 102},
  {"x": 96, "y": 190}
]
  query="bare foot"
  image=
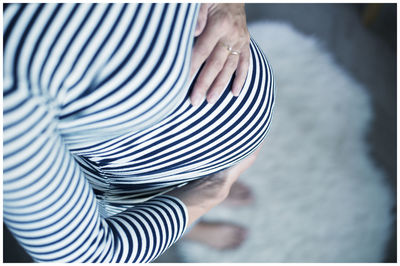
[
  {"x": 239, "y": 195},
  {"x": 218, "y": 235}
]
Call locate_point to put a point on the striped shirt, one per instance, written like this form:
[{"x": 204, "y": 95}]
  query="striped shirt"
[{"x": 98, "y": 126}]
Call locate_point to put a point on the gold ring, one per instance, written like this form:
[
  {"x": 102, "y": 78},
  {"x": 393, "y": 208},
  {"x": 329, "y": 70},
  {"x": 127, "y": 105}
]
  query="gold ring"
[{"x": 230, "y": 49}]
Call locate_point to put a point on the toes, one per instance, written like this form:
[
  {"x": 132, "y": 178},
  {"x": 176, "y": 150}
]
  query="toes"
[
  {"x": 218, "y": 235},
  {"x": 238, "y": 236}
]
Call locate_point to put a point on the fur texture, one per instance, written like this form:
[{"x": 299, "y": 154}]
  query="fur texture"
[{"x": 319, "y": 197}]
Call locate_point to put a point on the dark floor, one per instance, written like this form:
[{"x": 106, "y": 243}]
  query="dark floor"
[{"x": 363, "y": 40}]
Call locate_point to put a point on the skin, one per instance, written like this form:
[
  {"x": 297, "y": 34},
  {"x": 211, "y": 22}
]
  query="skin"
[
  {"x": 218, "y": 25},
  {"x": 218, "y": 235},
  {"x": 202, "y": 195}
]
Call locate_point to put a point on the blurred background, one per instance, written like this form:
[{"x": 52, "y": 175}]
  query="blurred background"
[
  {"x": 360, "y": 43},
  {"x": 363, "y": 40},
  {"x": 325, "y": 181}
]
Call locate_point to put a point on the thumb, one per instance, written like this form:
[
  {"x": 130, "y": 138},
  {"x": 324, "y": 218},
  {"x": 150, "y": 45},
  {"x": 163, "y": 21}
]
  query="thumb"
[{"x": 201, "y": 19}]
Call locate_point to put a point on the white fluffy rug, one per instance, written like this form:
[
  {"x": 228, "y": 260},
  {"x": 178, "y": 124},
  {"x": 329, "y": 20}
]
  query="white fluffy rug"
[{"x": 319, "y": 196}]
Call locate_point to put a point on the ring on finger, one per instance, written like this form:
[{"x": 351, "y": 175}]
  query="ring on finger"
[{"x": 230, "y": 49}]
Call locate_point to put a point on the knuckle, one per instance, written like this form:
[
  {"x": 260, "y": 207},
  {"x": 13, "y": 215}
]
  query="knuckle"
[
  {"x": 217, "y": 64},
  {"x": 225, "y": 22}
]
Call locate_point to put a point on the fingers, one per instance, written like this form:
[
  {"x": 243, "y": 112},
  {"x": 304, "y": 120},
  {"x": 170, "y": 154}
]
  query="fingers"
[
  {"x": 201, "y": 19},
  {"x": 222, "y": 79},
  {"x": 203, "y": 47},
  {"x": 214, "y": 64},
  {"x": 218, "y": 24},
  {"x": 241, "y": 72}
]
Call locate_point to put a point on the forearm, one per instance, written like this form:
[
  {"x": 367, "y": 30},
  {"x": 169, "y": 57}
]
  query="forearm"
[
  {"x": 202, "y": 195},
  {"x": 50, "y": 206}
]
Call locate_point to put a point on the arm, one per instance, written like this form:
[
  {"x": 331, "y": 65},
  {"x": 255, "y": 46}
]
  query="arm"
[
  {"x": 202, "y": 195},
  {"x": 49, "y": 206},
  {"x": 51, "y": 209}
]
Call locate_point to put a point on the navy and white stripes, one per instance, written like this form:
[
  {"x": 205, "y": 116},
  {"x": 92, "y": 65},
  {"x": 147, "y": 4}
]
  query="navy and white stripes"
[{"x": 97, "y": 121}]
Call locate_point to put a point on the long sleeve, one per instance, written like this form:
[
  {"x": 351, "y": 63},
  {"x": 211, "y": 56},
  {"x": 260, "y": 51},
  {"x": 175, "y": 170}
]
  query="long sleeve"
[
  {"x": 51, "y": 209},
  {"x": 51, "y": 63}
]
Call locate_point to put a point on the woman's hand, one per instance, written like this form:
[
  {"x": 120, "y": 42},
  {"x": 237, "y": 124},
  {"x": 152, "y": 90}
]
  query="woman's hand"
[
  {"x": 223, "y": 43},
  {"x": 203, "y": 194}
]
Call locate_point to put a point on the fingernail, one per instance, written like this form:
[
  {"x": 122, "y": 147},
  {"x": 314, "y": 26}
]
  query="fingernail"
[
  {"x": 236, "y": 92},
  {"x": 212, "y": 98},
  {"x": 197, "y": 99}
]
